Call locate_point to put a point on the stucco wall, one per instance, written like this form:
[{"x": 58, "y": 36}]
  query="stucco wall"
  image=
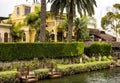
[{"x": 5, "y": 28}]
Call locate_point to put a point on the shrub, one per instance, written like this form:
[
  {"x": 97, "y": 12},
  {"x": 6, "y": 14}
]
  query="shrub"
[
  {"x": 98, "y": 48},
  {"x": 7, "y": 76},
  {"x": 41, "y": 73},
  {"x": 110, "y": 57},
  {"x": 105, "y": 49},
  {"x": 27, "y": 51},
  {"x": 104, "y": 58},
  {"x": 78, "y": 68},
  {"x": 92, "y": 59}
]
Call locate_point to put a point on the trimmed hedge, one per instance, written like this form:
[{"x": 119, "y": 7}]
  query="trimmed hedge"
[
  {"x": 99, "y": 48},
  {"x": 41, "y": 73},
  {"x": 27, "y": 51},
  {"x": 78, "y": 68},
  {"x": 7, "y": 77}
]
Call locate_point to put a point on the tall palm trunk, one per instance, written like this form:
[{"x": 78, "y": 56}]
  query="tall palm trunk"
[
  {"x": 43, "y": 21},
  {"x": 77, "y": 34},
  {"x": 70, "y": 23}
]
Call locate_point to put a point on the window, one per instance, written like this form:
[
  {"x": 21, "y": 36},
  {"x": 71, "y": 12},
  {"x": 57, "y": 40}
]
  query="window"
[
  {"x": 27, "y": 10},
  {"x": 24, "y": 37},
  {"x": 5, "y": 37},
  {"x": 18, "y": 11}
]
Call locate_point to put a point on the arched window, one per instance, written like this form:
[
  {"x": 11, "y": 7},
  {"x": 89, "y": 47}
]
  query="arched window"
[
  {"x": 27, "y": 10},
  {"x": 5, "y": 37},
  {"x": 24, "y": 37},
  {"x": 18, "y": 11}
]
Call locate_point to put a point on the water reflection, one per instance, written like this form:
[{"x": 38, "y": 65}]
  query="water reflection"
[{"x": 103, "y": 76}]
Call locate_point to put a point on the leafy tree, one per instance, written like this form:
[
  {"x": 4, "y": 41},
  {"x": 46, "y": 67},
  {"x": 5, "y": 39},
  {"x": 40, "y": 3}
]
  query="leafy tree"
[
  {"x": 16, "y": 33},
  {"x": 112, "y": 20},
  {"x": 83, "y": 6},
  {"x": 43, "y": 19},
  {"x": 63, "y": 24},
  {"x": 33, "y": 21},
  {"x": 81, "y": 30}
]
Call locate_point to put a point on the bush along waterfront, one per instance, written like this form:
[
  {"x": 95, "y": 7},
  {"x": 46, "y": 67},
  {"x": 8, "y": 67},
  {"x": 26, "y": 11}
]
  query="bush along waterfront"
[
  {"x": 63, "y": 57},
  {"x": 83, "y": 67},
  {"x": 10, "y": 76}
]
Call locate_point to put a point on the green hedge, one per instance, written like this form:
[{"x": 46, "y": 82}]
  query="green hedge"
[
  {"x": 78, "y": 68},
  {"x": 41, "y": 73},
  {"x": 7, "y": 77},
  {"x": 26, "y": 51},
  {"x": 99, "y": 48}
]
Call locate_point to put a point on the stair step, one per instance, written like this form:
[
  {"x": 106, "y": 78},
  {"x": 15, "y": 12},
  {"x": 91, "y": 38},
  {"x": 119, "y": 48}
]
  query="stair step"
[
  {"x": 32, "y": 80},
  {"x": 55, "y": 76}
]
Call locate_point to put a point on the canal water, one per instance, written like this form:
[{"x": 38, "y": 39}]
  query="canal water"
[{"x": 101, "y": 76}]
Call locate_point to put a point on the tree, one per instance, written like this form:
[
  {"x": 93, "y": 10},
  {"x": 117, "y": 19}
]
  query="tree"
[
  {"x": 16, "y": 32},
  {"x": 63, "y": 24},
  {"x": 33, "y": 21},
  {"x": 86, "y": 6},
  {"x": 81, "y": 29},
  {"x": 112, "y": 20},
  {"x": 63, "y": 27},
  {"x": 43, "y": 19}
]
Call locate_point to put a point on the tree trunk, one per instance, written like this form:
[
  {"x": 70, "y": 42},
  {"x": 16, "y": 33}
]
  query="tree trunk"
[
  {"x": 30, "y": 35},
  {"x": 43, "y": 21},
  {"x": 43, "y": 63},
  {"x": 80, "y": 58},
  {"x": 70, "y": 23},
  {"x": 116, "y": 34},
  {"x": 70, "y": 60},
  {"x": 77, "y": 34}
]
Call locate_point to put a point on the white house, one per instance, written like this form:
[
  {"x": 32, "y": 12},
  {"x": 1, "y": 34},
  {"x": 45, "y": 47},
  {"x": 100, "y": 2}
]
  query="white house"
[{"x": 5, "y": 33}]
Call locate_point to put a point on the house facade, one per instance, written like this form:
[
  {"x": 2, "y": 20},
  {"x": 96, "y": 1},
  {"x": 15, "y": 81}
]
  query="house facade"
[
  {"x": 52, "y": 22},
  {"x": 19, "y": 14},
  {"x": 5, "y": 33},
  {"x": 98, "y": 35}
]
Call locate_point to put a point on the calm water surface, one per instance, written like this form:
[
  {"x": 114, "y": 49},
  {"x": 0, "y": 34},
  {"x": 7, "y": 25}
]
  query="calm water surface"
[{"x": 103, "y": 76}]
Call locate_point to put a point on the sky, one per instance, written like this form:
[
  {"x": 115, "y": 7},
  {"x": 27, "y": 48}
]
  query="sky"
[{"x": 7, "y": 6}]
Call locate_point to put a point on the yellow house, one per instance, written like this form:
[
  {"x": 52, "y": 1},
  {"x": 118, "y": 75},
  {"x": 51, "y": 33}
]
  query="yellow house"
[
  {"x": 19, "y": 14},
  {"x": 52, "y": 26}
]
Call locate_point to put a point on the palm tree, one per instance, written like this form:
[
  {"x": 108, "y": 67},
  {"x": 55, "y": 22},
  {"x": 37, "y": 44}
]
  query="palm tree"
[
  {"x": 33, "y": 21},
  {"x": 43, "y": 19},
  {"x": 86, "y": 6},
  {"x": 80, "y": 26}
]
